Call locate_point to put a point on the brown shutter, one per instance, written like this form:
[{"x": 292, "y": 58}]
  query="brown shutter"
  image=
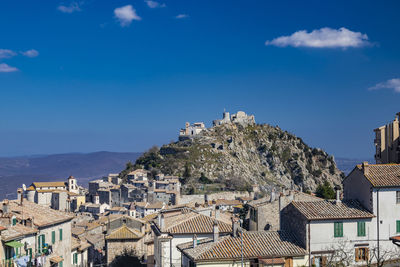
[
  {"x": 323, "y": 261},
  {"x": 313, "y": 261},
  {"x": 367, "y": 253},
  {"x": 357, "y": 254}
]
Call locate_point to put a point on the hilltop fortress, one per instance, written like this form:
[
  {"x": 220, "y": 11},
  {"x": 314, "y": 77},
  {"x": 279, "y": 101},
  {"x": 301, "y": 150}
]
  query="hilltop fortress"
[{"x": 192, "y": 130}]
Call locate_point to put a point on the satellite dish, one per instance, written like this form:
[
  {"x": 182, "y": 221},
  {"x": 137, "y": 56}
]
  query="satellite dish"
[{"x": 24, "y": 187}]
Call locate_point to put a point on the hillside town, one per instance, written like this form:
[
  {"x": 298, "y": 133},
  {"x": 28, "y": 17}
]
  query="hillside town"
[{"x": 146, "y": 219}]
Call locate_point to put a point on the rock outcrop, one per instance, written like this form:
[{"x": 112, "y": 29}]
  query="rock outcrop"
[{"x": 257, "y": 154}]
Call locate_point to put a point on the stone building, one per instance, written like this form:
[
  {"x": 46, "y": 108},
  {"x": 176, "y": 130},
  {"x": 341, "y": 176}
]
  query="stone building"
[
  {"x": 124, "y": 240},
  {"x": 176, "y": 227},
  {"x": 387, "y": 142},
  {"x": 263, "y": 213},
  {"x": 191, "y": 130},
  {"x": 240, "y": 117}
]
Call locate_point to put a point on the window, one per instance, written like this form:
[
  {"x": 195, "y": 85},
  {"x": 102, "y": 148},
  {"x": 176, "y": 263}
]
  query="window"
[
  {"x": 338, "y": 229},
  {"x": 398, "y": 226},
  {"x": 75, "y": 259},
  {"x": 14, "y": 221},
  {"x": 60, "y": 230},
  {"x": 53, "y": 237},
  {"x": 41, "y": 242},
  {"x": 362, "y": 254},
  {"x": 397, "y": 197},
  {"x": 319, "y": 261},
  {"x": 360, "y": 228}
]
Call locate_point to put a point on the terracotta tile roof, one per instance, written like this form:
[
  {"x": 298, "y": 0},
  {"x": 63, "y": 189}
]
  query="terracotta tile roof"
[
  {"x": 327, "y": 210},
  {"x": 227, "y": 202},
  {"x": 48, "y": 184},
  {"x": 192, "y": 222},
  {"x": 156, "y": 205},
  {"x": 42, "y": 216},
  {"x": 382, "y": 175},
  {"x": 150, "y": 217},
  {"x": 17, "y": 231},
  {"x": 255, "y": 245},
  {"x": 124, "y": 233}
]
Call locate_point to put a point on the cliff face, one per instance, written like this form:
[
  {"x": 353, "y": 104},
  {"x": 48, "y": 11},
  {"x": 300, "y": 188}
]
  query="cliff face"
[{"x": 255, "y": 154}]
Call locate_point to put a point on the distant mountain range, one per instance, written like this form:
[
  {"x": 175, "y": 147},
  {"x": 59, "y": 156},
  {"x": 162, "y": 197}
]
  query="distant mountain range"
[
  {"x": 347, "y": 165},
  {"x": 14, "y": 171}
]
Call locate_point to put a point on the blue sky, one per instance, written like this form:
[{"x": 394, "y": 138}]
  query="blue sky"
[{"x": 82, "y": 76}]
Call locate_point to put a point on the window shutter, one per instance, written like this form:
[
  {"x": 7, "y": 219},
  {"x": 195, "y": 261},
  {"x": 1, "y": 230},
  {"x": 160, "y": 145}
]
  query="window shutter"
[
  {"x": 53, "y": 237},
  {"x": 357, "y": 254},
  {"x": 398, "y": 226},
  {"x": 324, "y": 259},
  {"x": 367, "y": 253},
  {"x": 61, "y": 235}
]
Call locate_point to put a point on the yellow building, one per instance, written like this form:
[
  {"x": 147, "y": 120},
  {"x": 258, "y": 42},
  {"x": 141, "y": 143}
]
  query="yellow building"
[{"x": 387, "y": 142}]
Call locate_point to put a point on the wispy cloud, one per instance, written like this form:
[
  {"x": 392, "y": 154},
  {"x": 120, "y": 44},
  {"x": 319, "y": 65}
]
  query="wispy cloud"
[
  {"x": 393, "y": 84},
  {"x": 30, "y": 53},
  {"x": 7, "y": 53},
  {"x": 6, "y": 68},
  {"x": 154, "y": 4},
  {"x": 181, "y": 16},
  {"x": 322, "y": 38},
  {"x": 125, "y": 15},
  {"x": 73, "y": 7}
]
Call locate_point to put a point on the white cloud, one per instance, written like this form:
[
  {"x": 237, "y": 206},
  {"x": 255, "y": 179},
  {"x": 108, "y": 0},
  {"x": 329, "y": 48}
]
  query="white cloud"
[
  {"x": 7, "y": 53},
  {"x": 154, "y": 4},
  {"x": 30, "y": 53},
  {"x": 6, "y": 68},
  {"x": 181, "y": 16},
  {"x": 389, "y": 84},
  {"x": 74, "y": 6},
  {"x": 125, "y": 15},
  {"x": 322, "y": 38}
]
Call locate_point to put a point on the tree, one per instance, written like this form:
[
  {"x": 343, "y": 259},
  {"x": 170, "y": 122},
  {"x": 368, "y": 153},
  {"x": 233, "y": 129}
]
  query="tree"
[
  {"x": 325, "y": 191},
  {"x": 186, "y": 174},
  {"x": 204, "y": 180}
]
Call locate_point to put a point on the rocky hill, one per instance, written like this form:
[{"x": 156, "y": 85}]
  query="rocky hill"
[{"x": 241, "y": 155}]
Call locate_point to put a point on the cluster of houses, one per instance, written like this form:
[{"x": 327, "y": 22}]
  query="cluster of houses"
[{"x": 63, "y": 224}]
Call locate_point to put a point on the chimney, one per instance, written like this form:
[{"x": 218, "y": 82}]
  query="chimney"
[
  {"x": 291, "y": 185},
  {"x": 5, "y": 206},
  {"x": 283, "y": 191},
  {"x": 235, "y": 227},
  {"x": 365, "y": 167},
  {"x": 291, "y": 196},
  {"x": 337, "y": 188},
  {"x": 216, "y": 214},
  {"x": 215, "y": 231},
  {"x": 20, "y": 196},
  {"x": 194, "y": 240},
  {"x": 161, "y": 221}
]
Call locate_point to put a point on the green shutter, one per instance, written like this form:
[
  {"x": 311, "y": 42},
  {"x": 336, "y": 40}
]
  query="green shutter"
[
  {"x": 360, "y": 228},
  {"x": 53, "y": 237},
  {"x": 14, "y": 221},
  {"x": 61, "y": 235},
  {"x": 398, "y": 226},
  {"x": 338, "y": 229}
]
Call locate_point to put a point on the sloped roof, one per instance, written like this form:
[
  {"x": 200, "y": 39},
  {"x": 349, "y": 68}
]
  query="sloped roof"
[
  {"x": 192, "y": 222},
  {"x": 42, "y": 216},
  {"x": 49, "y": 184},
  {"x": 329, "y": 209},
  {"x": 124, "y": 233},
  {"x": 382, "y": 175},
  {"x": 255, "y": 245}
]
